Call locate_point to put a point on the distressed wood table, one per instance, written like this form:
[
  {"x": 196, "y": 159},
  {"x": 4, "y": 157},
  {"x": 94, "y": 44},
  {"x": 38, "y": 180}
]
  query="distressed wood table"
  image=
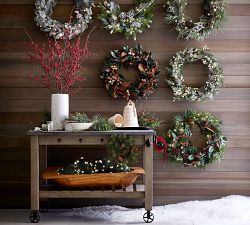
[{"x": 41, "y": 139}]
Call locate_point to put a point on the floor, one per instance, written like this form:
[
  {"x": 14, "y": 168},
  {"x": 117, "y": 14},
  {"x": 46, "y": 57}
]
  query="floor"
[
  {"x": 52, "y": 217},
  {"x": 229, "y": 210}
]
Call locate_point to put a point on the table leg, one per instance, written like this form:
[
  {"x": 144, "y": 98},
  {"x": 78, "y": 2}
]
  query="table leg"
[
  {"x": 148, "y": 167},
  {"x": 43, "y": 162},
  {"x": 44, "y": 204},
  {"x": 34, "y": 173}
]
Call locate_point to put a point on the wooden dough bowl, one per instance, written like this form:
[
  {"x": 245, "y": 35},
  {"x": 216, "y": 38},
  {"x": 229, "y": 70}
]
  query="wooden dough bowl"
[{"x": 93, "y": 181}]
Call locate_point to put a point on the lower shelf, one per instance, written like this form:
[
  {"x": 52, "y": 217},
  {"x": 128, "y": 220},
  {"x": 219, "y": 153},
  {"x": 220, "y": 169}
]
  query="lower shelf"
[{"x": 132, "y": 191}]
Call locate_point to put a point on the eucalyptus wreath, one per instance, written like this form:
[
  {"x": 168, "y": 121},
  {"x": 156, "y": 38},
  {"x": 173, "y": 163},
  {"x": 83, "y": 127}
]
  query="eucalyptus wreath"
[
  {"x": 180, "y": 148},
  {"x": 116, "y": 84},
  {"x": 214, "y": 13},
  {"x": 122, "y": 149},
  {"x": 44, "y": 10},
  {"x": 176, "y": 79},
  {"x": 130, "y": 23}
]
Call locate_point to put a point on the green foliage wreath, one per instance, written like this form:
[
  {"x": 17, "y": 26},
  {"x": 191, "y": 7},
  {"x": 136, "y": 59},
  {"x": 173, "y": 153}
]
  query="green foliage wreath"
[
  {"x": 180, "y": 148},
  {"x": 214, "y": 13},
  {"x": 122, "y": 149},
  {"x": 129, "y": 23},
  {"x": 176, "y": 79},
  {"x": 116, "y": 84}
]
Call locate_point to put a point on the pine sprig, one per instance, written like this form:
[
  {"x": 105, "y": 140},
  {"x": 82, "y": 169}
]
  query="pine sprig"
[
  {"x": 78, "y": 117},
  {"x": 101, "y": 123},
  {"x": 146, "y": 119}
]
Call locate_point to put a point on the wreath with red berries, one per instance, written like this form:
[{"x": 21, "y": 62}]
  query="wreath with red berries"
[
  {"x": 180, "y": 148},
  {"x": 118, "y": 86}
]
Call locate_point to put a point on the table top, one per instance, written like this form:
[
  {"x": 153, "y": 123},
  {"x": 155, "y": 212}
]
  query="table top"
[{"x": 91, "y": 133}]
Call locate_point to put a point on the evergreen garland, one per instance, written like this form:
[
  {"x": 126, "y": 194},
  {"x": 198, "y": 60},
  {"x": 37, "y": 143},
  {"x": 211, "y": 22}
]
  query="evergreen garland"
[{"x": 100, "y": 165}]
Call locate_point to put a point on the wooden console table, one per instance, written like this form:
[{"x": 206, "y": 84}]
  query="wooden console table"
[{"x": 41, "y": 139}]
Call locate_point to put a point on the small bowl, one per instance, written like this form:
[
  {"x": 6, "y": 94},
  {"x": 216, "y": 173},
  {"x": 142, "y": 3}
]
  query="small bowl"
[{"x": 77, "y": 126}]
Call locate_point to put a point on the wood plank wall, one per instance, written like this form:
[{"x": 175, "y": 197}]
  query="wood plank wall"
[{"x": 22, "y": 102}]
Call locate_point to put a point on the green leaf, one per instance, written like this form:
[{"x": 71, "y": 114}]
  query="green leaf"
[
  {"x": 113, "y": 54},
  {"x": 174, "y": 135},
  {"x": 211, "y": 149},
  {"x": 190, "y": 157}
]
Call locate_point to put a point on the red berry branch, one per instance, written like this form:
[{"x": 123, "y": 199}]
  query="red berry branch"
[{"x": 60, "y": 65}]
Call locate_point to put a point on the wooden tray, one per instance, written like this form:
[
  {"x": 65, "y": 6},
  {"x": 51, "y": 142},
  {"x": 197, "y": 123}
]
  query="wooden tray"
[{"x": 93, "y": 181}]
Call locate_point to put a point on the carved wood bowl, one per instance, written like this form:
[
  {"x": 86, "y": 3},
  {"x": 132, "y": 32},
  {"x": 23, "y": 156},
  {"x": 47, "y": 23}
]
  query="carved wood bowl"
[{"x": 93, "y": 181}]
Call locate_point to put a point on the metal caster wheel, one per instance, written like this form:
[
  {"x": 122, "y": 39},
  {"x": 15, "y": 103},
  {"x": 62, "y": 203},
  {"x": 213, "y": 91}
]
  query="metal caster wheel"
[
  {"x": 34, "y": 217},
  {"x": 148, "y": 217}
]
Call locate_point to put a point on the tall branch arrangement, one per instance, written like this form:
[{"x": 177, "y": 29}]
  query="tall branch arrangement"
[{"x": 59, "y": 65}]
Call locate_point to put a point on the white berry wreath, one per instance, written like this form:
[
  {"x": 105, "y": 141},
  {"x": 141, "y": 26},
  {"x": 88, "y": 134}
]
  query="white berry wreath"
[
  {"x": 44, "y": 10},
  {"x": 214, "y": 13},
  {"x": 130, "y": 23},
  {"x": 176, "y": 79}
]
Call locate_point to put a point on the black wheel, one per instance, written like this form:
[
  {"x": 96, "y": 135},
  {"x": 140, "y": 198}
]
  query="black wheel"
[
  {"x": 34, "y": 217},
  {"x": 148, "y": 217}
]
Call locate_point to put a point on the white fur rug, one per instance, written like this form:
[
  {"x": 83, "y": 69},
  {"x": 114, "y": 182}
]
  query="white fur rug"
[{"x": 231, "y": 210}]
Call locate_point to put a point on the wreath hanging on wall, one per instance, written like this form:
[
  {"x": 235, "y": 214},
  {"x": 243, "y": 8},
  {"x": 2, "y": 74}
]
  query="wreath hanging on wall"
[
  {"x": 122, "y": 149},
  {"x": 176, "y": 79},
  {"x": 180, "y": 148},
  {"x": 130, "y": 23},
  {"x": 44, "y": 10},
  {"x": 116, "y": 84},
  {"x": 214, "y": 13}
]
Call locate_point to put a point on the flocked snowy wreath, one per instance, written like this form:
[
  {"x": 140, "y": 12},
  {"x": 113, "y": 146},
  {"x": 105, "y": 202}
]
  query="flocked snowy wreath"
[
  {"x": 130, "y": 23},
  {"x": 214, "y": 13},
  {"x": 176, "y": 79},
  {"x": 44, "y": 10}
]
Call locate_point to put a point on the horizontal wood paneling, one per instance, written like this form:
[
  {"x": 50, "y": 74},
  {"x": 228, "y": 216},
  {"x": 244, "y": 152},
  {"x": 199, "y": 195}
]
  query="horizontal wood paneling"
[
  {"x": 23, "y": 102},
  {"x": 108, "y": 106},
  {"x": 224, "y": 57},
  {"x": 9, "y": 94},
  {"x": 14, "y": 34},
  {"x": 173, "y": 46}
]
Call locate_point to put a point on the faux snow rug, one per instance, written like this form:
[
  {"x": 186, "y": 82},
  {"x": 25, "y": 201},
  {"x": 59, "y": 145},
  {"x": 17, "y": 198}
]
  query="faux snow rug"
[{"x": 231, "y": 210}]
